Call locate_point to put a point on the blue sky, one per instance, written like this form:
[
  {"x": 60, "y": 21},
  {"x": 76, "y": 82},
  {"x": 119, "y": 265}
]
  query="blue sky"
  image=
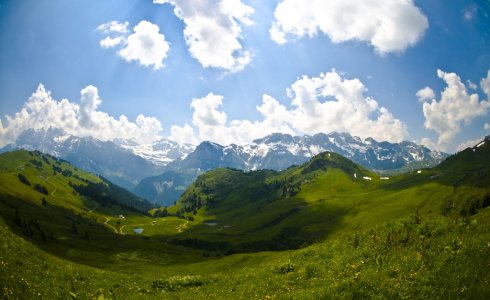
[{"x": 212, "y": 70}]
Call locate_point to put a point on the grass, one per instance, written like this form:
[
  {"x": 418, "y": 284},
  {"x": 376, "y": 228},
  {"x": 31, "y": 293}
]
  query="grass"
[
  {"x": 413, "y": 236},
  {"x": 412, "y": 258},
  {"x": 282, "y": 210}
]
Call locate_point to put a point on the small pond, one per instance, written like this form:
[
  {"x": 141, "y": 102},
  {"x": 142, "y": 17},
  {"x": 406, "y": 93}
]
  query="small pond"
[{"x": 138, "y": 230}]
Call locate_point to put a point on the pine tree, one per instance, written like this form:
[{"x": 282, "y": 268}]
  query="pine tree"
[
  {"x": 43, "y": 236},
  {"x": 74, "y": 228},
  {"x": 18, "y": 219}
]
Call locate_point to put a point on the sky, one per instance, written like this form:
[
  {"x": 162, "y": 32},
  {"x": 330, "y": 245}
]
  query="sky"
[{"x": 231, "y": 71}]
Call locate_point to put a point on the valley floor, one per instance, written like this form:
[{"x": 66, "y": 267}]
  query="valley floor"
[{"x": 436, "y": 258}]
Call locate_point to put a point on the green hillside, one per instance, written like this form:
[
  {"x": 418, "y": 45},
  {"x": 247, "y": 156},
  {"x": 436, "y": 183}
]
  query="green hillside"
[
  {"x": 73, "y": 214},
  {"x": 267, "y": 210},
  {"x": 325, "y": 197},
  {"x": 337, "y": 231}
]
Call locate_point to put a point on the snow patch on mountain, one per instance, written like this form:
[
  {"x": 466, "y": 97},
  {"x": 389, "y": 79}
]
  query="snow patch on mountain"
[
  {"x": 279, "y": 151},
  {"x": 160, "y": 152}
]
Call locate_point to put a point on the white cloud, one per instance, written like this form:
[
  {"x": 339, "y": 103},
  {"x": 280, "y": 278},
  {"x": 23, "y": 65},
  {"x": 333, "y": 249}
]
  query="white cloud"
[
  {"x": 213, "y": 31},
  {"x": 42, "y": 111},
  {"x": 206, "y": 115},
  {"x": 471, "y": 84},
  {"x": 113, "y": 27},
  {"x": 210, "y": 121},
  {"x": 88, "y": 106},
  {"x": 319, "y": 104},
  {"x": 486, "y": 126},
  {"x": 111, "y": 42},
  {"x": 455, "y": 108},
  {"x": 468, "y": 144},
  {"x": 485, "y": 85},
  {"x": 425, "y": 94},
  {"x": 332, "y": 103},
  {"x": 427, "y": 142},
  {"x": 146, "y": 44},
  {"x": 388, "y": 25},
  {"x": 183, "y": 135},
  {"x": 116, "y": 34}
]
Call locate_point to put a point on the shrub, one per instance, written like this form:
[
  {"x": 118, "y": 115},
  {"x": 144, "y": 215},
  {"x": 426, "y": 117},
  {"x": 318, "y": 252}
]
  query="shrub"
[
  {"x": 38, "y": 164},
  {"x": 41, "y": 189},
  {"x": 23, "y": 179},
  {"x": 178, "y": 282},
  {"x": 284, "y": 268}
]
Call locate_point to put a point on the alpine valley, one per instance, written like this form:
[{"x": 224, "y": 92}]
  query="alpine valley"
[
  {"x": 161, "y": 171},
  {"x": 244, "y": 149},
  {"x": 326, "y": 228}
]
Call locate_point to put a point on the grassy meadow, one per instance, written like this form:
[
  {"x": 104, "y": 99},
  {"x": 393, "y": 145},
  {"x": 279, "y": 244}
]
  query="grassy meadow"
[{"x": 320, "y": 230}]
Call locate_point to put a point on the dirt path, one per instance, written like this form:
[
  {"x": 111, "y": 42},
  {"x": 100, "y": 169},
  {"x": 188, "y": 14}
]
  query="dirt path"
[
  {"x": 182, "y": 227},
  {"x": 96, "y": 206},
  {"x": 107, "y": 219}
]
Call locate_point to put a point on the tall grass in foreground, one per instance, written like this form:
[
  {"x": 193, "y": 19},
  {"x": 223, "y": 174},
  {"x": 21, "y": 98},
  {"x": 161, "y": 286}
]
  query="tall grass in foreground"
[{"x": 437, "y": 258}]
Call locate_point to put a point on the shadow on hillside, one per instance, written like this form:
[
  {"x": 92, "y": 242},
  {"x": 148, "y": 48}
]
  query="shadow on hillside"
[
  {"x": 77, "y": 237},
  {"x": 294, "y": 226}
]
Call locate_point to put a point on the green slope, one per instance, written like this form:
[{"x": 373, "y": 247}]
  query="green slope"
[
  {"x": 79, "y": 216},
  {"x": 329, "y": 195},
  {"x": 415, "y": 257},
  {"x": 417, "y": 235}
]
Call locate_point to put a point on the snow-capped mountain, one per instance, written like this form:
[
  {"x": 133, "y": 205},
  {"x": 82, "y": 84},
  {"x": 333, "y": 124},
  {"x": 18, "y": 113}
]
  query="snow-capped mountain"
[
  {"x": 160, "y": 152},
  {"x": 280, "y": 151},
  {"x": 135, "y": 166},
  {"x": 108, "y": 159}
]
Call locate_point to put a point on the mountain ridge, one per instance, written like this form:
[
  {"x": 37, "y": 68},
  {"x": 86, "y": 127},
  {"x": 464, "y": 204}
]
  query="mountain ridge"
[
  {"x": 277, "y": 210},
  {"x": 88, "y": 153},
  {"x": 278, "y": 151},
  {"x": 145, "y": 169}
]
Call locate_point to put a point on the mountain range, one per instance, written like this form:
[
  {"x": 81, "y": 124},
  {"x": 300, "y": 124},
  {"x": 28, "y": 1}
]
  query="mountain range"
[
  {"x": 281, "y": 151},
  {"x": 100, "y": 157},
  {"x": 160, "y": 171}
]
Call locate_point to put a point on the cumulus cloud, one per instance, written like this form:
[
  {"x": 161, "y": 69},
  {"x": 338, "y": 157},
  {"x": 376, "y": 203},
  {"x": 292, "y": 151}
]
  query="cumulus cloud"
[
  {"x": 41, "y": 111},
  {"x": 213, "y": 31},
  {"x": 425, "y": 94},
  {"x": 146, "y": 45},
  {"x": 468, "y": 144},
  {"x": 427, "y": 142},
  {"x": 456, "y": 108},
  {"x": 332, "y": 103},
  {"x": 486, "y": 126},
  {"x": 111, "y": 42},
  {"x": 318, "y": 104},
  {"x": 113, "y": 27},
  {"x": 183, "y": 135},
  {"x": 485, "y": 85},
  {"x": 211, "y": 122},
  {"x": 471, "y": 84},
  {"x": 387, "y": 25}
]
